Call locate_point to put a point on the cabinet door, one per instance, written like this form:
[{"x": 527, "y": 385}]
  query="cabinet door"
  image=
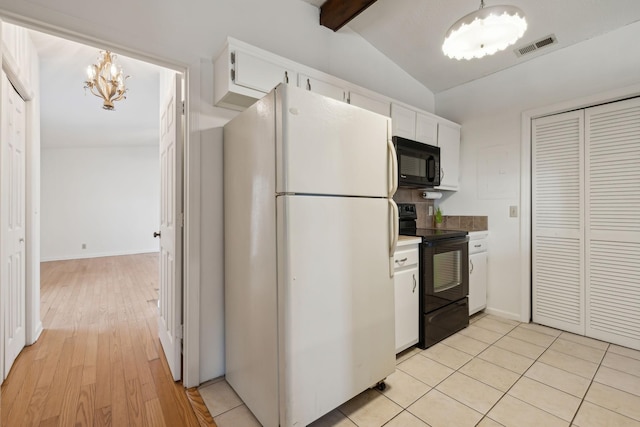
[
  {"x": 449, "y": 143},
  {"x": 426, "y": 129},
  {"x": 403, "y": 122},
  {"x": 375, "y": 105},
  {"x": 477, "y": 282},
  {"x": 407, "y": 293},
  {"x": 259, "y": 74},
  {"x": 323, "y": 88}
]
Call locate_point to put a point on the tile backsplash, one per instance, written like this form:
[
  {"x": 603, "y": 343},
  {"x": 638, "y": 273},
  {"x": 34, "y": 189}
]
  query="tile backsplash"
[{"x": 453, "y": 222}]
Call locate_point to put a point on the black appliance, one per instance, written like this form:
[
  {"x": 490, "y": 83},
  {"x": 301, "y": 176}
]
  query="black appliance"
[
  {"x": 444, "y": 282},
  {"x": 418, "y": 163}
]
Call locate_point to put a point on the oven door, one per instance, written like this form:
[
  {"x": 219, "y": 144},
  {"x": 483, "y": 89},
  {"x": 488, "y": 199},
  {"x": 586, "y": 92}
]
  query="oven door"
[{"x": 446, "y": 272}]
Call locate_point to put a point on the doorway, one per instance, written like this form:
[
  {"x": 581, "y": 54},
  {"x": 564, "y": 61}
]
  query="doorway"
[{"x": 91, "y": 165}]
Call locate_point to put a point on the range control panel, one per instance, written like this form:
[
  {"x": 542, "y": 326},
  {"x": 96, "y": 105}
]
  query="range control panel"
[{"x": 407, "y": 211}]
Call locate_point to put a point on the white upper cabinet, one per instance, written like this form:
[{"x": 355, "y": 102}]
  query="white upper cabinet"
[
  {"x": 403, "y": 121},
  {"x": 243, "y": 76},
  {"x": 426, "y": 129},
  {"x": 322, "y": 87},
  {"x": 379, "y": 106},
  {"x": 414, "y": 125},
  {"x": 449, "y": 143},
  {"x": 257, "y": 73}
]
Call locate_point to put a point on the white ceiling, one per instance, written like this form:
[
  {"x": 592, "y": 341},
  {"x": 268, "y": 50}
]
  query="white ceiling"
[
  {"x": 71, "y": 116},
  {"x": 411, "y": 32}
]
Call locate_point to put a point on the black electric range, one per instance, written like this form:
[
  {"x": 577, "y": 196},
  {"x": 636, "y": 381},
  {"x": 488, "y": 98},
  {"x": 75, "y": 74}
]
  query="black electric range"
[{"x": 444, "y": 281}]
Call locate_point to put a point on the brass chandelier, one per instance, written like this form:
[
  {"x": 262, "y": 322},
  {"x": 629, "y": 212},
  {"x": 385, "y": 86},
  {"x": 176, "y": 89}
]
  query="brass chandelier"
[{"x": 105, "y": 79}]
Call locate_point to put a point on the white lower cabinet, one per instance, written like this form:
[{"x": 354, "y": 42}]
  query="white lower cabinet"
[
  {"x": 477, "y": 271},
  {"x": 407, "y": 292}
]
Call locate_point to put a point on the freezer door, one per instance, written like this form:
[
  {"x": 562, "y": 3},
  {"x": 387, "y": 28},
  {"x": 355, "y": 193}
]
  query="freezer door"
[
  {"x": 336, "y": 298},
  {"x": 325, "y": 146}
]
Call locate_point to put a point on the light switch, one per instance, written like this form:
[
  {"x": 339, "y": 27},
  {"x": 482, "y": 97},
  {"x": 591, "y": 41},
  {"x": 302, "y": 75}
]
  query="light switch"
[{"x": 513, "y": 211}]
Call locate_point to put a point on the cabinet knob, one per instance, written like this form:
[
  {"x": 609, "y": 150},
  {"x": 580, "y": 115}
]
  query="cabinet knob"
[
  {"x": 398, "y": 261},
  {"x": 414, "y": 284},
  {"x": 471, "y": 263}
]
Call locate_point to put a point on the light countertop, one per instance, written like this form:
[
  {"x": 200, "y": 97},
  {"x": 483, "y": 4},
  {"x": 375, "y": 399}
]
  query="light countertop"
[{"x": 408, "y": 240}]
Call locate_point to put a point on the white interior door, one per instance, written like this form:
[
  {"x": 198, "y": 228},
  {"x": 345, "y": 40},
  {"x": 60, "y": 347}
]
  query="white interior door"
[
  {"x": 170, "y": 291},
  {"x": 558, "y": 221},
  {"x": 612, "y": 154},
  {"x": 12, "y": 267}
]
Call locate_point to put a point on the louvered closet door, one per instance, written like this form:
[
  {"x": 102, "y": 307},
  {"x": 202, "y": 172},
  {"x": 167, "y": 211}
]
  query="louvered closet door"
[
  {"x": 613, "y": 222},
  {"x": 557, "y": 219}
]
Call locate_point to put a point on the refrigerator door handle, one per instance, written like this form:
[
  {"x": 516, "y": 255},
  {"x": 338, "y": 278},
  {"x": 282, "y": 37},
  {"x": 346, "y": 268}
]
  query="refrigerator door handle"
[
  {"x": 393, "y": 168},
  {"x": 393, "y": 238}
]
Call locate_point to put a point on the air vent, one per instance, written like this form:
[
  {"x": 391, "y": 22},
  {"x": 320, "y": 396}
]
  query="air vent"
[{"x": 536, "y": 45}]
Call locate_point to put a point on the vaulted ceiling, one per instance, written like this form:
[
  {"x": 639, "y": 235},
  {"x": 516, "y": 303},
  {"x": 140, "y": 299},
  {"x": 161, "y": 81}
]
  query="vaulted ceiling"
[{"x": 411, "y": 32}]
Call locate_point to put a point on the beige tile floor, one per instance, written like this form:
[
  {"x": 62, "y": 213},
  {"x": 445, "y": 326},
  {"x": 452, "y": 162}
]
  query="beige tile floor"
[{"x": 496, "y": 372}]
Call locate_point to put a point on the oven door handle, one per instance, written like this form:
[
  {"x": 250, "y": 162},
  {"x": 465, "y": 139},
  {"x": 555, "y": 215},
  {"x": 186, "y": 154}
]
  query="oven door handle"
[
  {"x": 392, "y": 170},
  {"x": 393, "y": 234}
]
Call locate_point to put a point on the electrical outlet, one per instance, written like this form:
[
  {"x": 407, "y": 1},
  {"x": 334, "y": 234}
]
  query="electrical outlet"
[
  {"x": 430, "y": 210},
  {"x": 84, "y": 246},
  {"x": 513, "y": 211}
]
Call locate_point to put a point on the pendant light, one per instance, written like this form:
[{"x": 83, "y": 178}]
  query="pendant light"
[{"x": 484, "y": 32}]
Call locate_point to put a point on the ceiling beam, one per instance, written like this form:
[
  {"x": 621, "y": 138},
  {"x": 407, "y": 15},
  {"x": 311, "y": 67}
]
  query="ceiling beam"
[{"x": 335, "y": 14}]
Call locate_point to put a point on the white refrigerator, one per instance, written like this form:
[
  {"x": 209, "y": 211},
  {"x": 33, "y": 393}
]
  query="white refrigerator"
[{"x": 310, "y": 231}]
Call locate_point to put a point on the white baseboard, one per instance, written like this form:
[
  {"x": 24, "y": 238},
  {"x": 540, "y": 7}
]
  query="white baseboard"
[
  {"x": 502, "y": 313},
  {"x": 36, "y": 335},
  {"x": 97, "y": 255}
]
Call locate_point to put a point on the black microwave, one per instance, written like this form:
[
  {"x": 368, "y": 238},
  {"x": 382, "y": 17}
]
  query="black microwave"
[{"x": 418, "y": 163}]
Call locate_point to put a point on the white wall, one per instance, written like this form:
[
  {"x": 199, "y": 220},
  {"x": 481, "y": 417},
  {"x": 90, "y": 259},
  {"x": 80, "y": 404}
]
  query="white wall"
[
  {"x": 107, "y": 197},
  {"x": 212, "y": 265},
  {"x": 490, "y": 111}
]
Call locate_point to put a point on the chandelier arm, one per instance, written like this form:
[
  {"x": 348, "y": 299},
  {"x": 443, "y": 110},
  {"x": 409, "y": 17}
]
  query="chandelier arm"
[{"x": 93, "y": 91}]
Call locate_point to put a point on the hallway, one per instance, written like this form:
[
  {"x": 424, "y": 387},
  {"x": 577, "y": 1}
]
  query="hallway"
[{"x": 99, "y": 360}]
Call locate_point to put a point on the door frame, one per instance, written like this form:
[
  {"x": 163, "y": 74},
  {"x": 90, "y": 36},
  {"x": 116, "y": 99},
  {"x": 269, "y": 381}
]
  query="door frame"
[
  {"x": 191, "y": 195},
  {"x": 525, "y": 181}
]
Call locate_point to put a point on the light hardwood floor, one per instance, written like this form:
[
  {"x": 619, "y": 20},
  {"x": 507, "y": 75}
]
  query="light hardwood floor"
[{"x": 99, "y": 361}]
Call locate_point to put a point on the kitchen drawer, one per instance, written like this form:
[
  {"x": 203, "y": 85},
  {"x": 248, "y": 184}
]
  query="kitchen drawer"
[
  {"x": 476, "y": 246},
  {"x": 406, "y": 258},
  {"x": 478, "y": 242}
]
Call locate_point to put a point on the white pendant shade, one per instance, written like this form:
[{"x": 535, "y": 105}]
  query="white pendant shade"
[{"x": 484, "y": 32}]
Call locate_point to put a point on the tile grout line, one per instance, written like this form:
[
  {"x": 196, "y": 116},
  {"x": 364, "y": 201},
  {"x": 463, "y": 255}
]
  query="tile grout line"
[
  {"x": 516, "y": 381},
  {"x": 456, "y": 370}
]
